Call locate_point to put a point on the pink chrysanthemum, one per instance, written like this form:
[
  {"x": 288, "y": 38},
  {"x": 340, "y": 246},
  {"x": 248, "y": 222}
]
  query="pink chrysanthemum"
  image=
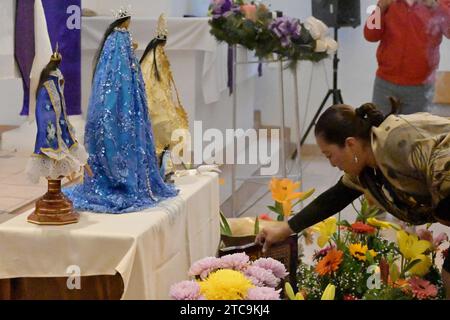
[
  {"x": 278, "y": 269},
  {"x": 422, "y": 289},
  {"x": 186, "y": 290},
  {"x": 204, "y": 267},
  {"x": 263, "y": 293},
  {"x": 237, "y": 261},
  {"x": 261, "y": 277}
]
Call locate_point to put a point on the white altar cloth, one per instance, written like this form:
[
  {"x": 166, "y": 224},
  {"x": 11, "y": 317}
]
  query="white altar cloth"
[{"x": 151, "y": 249}]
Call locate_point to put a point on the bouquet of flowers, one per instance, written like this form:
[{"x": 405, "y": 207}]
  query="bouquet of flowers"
[
  {"x": 231, "y": 277},
  {"x": 361, "y": 264},
  {"x": 254, "y": 27}
]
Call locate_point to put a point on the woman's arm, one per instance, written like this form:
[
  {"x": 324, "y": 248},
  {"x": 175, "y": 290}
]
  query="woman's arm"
[
  {"x": 443, "y": 211},
  {"x": 327, "y": 204},
  {"x": 374, "y": 26}
]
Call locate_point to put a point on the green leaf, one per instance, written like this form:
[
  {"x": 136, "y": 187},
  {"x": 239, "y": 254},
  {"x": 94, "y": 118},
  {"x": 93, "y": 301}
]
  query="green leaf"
[
  {"x": 279, "y": 207},
  {"x": 369, "y": 258},
  {"x": 394, "y": 272},
  {"x": 364, "y": 207},
  {"x": 280, "y": 217},
  {"x": 308, "y": 194},
  {"x": 256, "y": 225},
  {"x": 344, "y": 223},
  {"x": 224, "y": 226},
  {"x": 411, "y": 264},
  {"x": 374, "y": 212},
  {"x": 272, "y": 208}
]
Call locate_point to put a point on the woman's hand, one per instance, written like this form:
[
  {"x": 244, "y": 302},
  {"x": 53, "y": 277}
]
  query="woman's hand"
[{"x": 271, "y": 235}]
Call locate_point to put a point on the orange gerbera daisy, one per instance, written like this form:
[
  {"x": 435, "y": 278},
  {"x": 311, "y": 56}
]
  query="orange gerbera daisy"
[
  {"x": 330, "y": 263},
  {"x": 360, "y": 227},
  {"x": 399, "y": 283}
]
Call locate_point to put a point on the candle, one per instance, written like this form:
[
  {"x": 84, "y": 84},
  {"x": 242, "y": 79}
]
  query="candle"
[{"x": 249, "y": 10}]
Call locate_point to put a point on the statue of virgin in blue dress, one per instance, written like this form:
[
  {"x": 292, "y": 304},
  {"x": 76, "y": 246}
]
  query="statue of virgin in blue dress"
[
  {"x": 118, "y": 133},
  {"x": 57, "y": 153}
]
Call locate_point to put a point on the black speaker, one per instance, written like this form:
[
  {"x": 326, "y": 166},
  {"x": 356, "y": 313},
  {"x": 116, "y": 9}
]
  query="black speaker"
[{"x": 338, "y": 13}]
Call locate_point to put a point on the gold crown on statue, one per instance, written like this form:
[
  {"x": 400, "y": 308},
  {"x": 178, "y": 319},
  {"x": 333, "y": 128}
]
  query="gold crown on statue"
[
  {"x": 56, "y": 56},
  {"x": 122, "y": 13},
  {"x": 161, "y": 29}
]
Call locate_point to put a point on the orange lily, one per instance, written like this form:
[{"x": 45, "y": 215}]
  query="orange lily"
[{"x": 283, "y": 191}]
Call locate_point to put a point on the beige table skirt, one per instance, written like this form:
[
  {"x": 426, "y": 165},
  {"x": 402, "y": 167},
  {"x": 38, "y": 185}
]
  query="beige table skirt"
[{"x": 149, "y": 250}]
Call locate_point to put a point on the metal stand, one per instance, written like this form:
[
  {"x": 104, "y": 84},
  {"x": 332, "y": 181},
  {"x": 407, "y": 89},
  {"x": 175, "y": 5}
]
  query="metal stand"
[
  {"x": 335, "y": 92},
  {"x": 283, "y": 157}
]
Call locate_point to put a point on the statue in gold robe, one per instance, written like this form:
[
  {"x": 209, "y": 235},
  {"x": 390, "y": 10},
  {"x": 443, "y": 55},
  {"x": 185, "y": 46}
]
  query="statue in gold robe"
[{"x": 166, "y": 112}]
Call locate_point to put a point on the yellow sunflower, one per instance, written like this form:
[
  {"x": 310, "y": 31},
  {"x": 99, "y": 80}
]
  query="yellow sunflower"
[{"x": 358, "y": 251}]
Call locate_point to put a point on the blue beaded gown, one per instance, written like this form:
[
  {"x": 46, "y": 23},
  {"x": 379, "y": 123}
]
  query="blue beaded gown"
[{"x": 119, "y": 138}]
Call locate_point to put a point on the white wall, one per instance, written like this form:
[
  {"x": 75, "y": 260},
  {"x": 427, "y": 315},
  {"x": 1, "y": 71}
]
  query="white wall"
[
  {"x": 140, "y": 8},
  {"x": 356, "y": 72},
  {"x": 7, "y": 69},
  {"x": 198, "y": 8},
  {"x": 10, "y": 83}
]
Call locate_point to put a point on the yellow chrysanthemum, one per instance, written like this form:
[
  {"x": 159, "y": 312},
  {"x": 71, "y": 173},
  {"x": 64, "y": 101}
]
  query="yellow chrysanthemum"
[
  {"x": 382, "y": 224},
  {"x": 421, "y": 268},
  {"x": 410, "y": 246},
  {"x": 358, "y": 251},
  {"x": 325, "y": 229},
  {"x": 283, "y": 191},
  {"x": 225, "y": 285}
]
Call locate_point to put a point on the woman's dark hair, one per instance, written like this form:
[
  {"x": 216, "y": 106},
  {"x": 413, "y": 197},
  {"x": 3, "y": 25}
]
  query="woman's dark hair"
[
  {"x": 341, "y": 121},
  {"x": 152, "y": 47},
  {"x": 51, "y": 66},
  {"x": 108, "y": 31}
]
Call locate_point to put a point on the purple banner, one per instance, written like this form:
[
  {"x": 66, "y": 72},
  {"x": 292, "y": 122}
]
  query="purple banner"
[
  {"x": 63, "y": 17},
  {"x": 24, "y": 46}
]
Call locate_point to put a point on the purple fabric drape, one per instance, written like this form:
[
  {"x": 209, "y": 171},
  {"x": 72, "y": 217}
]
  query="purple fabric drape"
[
  {"x": 24, "y": 46},
  {"x": 70, "y": 47},
  {"x": 230, "y": 69}
]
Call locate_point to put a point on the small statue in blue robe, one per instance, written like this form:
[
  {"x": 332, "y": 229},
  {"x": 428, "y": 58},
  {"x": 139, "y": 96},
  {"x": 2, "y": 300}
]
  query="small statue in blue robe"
[{"x": 57, "y": 153}]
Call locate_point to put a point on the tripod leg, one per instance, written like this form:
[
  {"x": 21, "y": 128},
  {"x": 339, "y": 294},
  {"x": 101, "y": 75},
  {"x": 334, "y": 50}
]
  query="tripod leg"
[
  {"x": 341, "y": 100},
  {"x": 313, "y": 121}
]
